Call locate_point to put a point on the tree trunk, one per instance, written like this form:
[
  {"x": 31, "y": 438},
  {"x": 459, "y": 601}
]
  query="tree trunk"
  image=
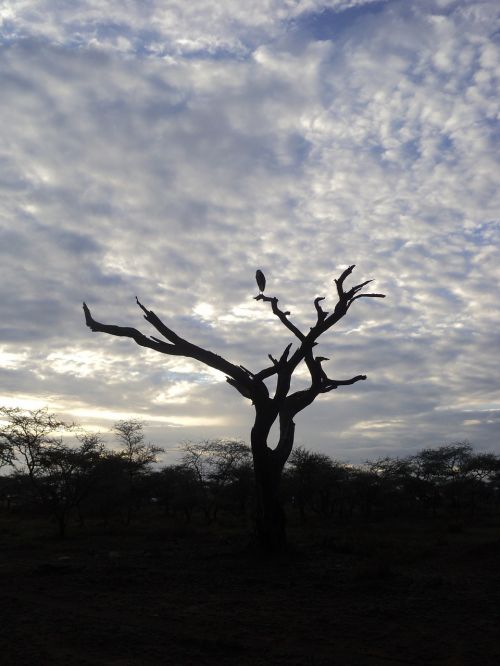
[
  {"x": 270, "y": 516},
  {"x": 270, "y": 519}
]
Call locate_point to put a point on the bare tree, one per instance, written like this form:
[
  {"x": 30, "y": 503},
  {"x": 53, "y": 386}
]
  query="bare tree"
[{"x": 282, "y": 406}]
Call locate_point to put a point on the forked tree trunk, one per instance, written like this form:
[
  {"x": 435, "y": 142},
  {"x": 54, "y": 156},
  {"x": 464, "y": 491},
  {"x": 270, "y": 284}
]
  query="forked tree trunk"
[{"x": 270, "y": 518}]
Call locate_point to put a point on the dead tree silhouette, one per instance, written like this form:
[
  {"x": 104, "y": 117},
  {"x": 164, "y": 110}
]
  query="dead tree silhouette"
[{"x": 283, "y": 406}]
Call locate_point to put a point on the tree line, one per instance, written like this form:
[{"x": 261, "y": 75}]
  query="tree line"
[{"x": 53, "y": 468}]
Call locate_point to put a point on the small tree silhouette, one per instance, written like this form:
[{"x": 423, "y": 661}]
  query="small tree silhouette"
[
  {"x": 60, "y": 475},
  {"x": 283, "y": 406},
  {"x": 136, "y": 456}
]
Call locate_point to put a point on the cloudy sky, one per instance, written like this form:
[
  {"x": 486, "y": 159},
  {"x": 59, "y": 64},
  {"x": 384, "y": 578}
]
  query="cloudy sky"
[{"x": 168, "y": 149}]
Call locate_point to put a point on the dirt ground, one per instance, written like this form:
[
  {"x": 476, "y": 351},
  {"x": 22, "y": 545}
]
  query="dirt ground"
[{"x": 172, "y": 595}]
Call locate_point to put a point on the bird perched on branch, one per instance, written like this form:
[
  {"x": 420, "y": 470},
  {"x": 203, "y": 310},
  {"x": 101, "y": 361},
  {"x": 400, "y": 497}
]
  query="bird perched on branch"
[{"x": 261, "y": 280}]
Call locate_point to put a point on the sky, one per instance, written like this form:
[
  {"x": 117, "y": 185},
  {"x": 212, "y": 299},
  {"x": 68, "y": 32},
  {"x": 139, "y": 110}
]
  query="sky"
[{"x": 167, "y": 150}]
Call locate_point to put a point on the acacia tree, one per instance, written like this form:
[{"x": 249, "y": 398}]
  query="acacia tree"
[
  {"x": 67, "y": 475},
  {"x": 216, "y": 464},
  {"x": 25, "y": 434},
  {"x": 6, "y": 453},
  {"x": 281, "y": 405},
  {"x": 60, "y": 475},
  {"x": 136, "y": 455}
]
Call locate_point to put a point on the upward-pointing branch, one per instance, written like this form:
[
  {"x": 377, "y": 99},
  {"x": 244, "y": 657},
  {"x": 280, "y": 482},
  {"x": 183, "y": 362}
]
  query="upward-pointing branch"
[
  {"x": 346, "y": 299},
  {"x": 128, "y": 332},
  {"x": 150, "y": 316},
  {"x": 177, "y": 347}
]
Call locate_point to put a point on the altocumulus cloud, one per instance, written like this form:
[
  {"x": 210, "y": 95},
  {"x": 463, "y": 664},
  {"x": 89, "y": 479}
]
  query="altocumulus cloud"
[{"x": 169, "y": 149}]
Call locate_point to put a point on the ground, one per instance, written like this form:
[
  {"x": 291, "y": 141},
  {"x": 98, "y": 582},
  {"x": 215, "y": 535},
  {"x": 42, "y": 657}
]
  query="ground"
[{"x": 164, "y": 593}]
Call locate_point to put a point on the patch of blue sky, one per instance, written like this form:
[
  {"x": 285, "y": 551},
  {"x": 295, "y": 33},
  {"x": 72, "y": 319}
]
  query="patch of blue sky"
[
  {"x": 328, "y": 24},
  {"x": 485, "y": 233},
  {"x": 74, "y": 242},
  {"x": 115, "y": 35},
  {"x": 446, "y": 294},
  {"x": 411, "y": 150},
  {"x": 219, "y": 53},
  {"x": 446, "y": 143},
  {"x": 493, "y": 128},
  {"x": 151, "y": 43},
  {"x": 9, "y": 31},
  {"x": 299, "y": 148},
  {"x": 408, "y": 153}
]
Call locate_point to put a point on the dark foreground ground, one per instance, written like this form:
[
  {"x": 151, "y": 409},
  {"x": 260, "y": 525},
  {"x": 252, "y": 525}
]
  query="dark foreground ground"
[{"x": 165, "y": 594}]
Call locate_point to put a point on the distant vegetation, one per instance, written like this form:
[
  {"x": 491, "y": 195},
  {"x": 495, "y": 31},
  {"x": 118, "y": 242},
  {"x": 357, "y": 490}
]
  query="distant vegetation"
[{"x": 75, "y": 485}]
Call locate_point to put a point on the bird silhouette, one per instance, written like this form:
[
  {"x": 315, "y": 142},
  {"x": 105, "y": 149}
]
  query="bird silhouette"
[{"x": 261, "y": 280}]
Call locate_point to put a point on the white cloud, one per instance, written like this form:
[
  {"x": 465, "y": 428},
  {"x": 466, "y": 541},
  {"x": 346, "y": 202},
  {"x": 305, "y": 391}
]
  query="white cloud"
[{"x": 168, "y": 152}]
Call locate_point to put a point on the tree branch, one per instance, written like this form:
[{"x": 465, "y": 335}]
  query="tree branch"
[
  {"x": 281, "y": 314},
  {"x": 287, "y": 435},
  {"x": 367, "y": 296},
  {"x": 314, "y": 366},
  {"x": 276, "y": 366},
  {"x": 128, "y": 332},
  {"x": 299, "y": 400},
  {"x": 179, "y": 346},
  {"x": 340, "y": 281},
  {"x": 150, "y": 316},
  {"x": 321, "y": 313},
  {"x": 241, "y": 388},
  {"x": 331, "y": 384},
  {"x": 346, "y": 299}
]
